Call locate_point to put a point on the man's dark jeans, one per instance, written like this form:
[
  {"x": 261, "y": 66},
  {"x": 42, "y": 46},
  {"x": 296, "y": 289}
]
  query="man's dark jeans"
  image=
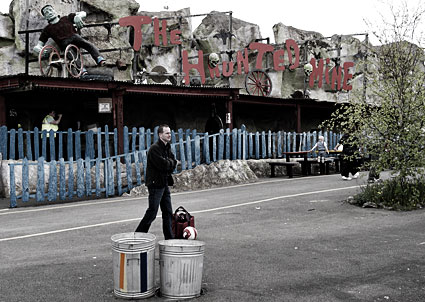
[
  {"x": 158, "y": 197},
  {"x": 77, "y": 40}
]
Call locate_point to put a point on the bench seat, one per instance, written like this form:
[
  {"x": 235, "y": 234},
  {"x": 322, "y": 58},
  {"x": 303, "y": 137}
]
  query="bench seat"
[{"x": 288, "y": 166}]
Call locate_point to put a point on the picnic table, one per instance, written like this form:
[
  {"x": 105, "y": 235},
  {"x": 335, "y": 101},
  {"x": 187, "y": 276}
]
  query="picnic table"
[{"x": 299, "y": 154}]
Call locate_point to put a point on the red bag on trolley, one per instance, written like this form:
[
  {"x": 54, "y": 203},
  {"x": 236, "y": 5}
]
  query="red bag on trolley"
[{"x": 181, "y": 219}]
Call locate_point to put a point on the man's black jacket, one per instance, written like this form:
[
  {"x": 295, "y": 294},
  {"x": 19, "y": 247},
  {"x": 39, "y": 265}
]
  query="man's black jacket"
[{"x": 160, "y": 164}]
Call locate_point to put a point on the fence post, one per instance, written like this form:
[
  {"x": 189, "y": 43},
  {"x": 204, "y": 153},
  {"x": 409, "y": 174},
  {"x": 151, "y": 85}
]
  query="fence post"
[
  {"x": 141, "y": 138},
  {"x": 263, "y": 144},
  {"x": 53, "y": 181},
  {"x": 99, "y": 142},
  {"x": 110, "y": 172},
  {"x": 80, "y": 178},
  {"x": 20, "y": 143},
  {"x": 257, "y": 145},
  {"x": 274, "y": 139},
  {"x": 36, "y": 144},
  {"x": 279, "y": 144},
  {"x": 3, "y": 142},
  {"x": 188, "y": 152},
  {"x": 250, "y": 145},
  {"x": 193, "y": 142},
  {"x": 71, "y": 178},
  {"x": 173, "y": 150},
  {"x": 69, "y": 144},
  {"x": 197, "y": 150},
  {"x": 137, "y": 165},
  {"x": 207, "y": 148},
  {"x": 182, "y": 157},
  {"x": 62, "y": 179},
  {"x": 115, "y": 141},
  {"x": 214, "y": 155},
  {"x": 234, "y": 143},
  {"x": 155, "y": 134},
  {"x": 88, "y": 176},
  {"x": 12, "y": 186},
  {"x": 314, "y": 142},
  {"x": 98, "y": 162},
  {"x": 29, "y": 149},
  {"x": 173, "y": 137},
  {"x": 244, "y": 144},
  {"x": 269, "y": 144},
  {"x": 128, "y": 171},
  {"x": 221, "y": 144},
  {"x": 239, "y": 144},
  {"x": 145, "y": 161},
  {"x": 107, "y": 153},
  {"x": 25, "y": 181},
  {"x": 77, "y": 144},
  {"x": 148, "y": 139},
  {"x": 12, "y": 144},
  {"x": 39, "y": 195},
  {"x": 227, "y": 143},
  {"x": 133, "y": 139},
  {"x": 126, "y": 140},
  {"x": 52, "y": 145}
]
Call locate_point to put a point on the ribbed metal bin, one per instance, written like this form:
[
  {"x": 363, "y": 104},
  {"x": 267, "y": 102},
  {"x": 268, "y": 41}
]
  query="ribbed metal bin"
[
  {"x": 133, "y": 256},
  {"x": 181, "y": 265}
]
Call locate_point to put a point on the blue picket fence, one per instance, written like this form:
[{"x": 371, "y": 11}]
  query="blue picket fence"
[
  {"x": 20, "y": 144},
  {"x": 105, "y": 176}
]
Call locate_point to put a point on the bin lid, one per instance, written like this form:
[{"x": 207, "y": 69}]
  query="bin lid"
[
  {"x": 133, "y": 241},
  {"x": 181, "y": 245}
]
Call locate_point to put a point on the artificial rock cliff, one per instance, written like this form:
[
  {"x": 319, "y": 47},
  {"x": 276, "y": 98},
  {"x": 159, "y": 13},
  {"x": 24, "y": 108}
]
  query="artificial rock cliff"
[{"x": 210, "y": 36}]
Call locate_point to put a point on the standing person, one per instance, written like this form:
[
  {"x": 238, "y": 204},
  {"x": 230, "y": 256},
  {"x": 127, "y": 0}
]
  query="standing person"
[
  {"x": 62, "y": 31},
  {"x": 50, "y": 122},
  {"x": 160, "y": 164},
  {"x": 348, "y": 162},
  {"x": 322, "y": 147}
]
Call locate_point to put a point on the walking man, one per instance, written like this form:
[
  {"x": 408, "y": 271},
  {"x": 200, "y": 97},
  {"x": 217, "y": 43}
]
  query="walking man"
[{"x": 160, "y": 164}]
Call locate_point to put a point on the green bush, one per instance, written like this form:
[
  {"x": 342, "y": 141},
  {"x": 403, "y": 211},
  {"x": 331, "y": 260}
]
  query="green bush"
[{"x": 394, "y": 193}]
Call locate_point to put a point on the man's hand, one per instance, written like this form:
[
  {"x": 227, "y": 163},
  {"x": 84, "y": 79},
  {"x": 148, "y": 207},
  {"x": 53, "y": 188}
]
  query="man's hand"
[
  {"x": 78, "y": 19},
  {"x": 38, "y": 48}
]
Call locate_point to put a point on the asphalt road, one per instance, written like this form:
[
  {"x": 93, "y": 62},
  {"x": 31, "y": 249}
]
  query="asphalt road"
[{"x": 274, "y": 240}]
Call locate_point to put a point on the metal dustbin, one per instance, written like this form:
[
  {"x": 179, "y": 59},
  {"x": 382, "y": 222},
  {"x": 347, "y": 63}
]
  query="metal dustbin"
[
  {"x": 181, "y": 264},
  {"x": 133, "y": 257}
]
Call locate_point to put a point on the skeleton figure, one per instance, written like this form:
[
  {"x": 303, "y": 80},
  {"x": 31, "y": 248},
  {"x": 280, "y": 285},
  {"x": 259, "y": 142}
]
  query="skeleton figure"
[
  {"x": 213, "y": 60},
  {"x": 308, "y": 69}
]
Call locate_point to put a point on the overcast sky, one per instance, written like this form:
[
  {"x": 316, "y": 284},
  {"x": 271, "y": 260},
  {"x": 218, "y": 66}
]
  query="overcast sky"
[{"x": 327, "y": 17}]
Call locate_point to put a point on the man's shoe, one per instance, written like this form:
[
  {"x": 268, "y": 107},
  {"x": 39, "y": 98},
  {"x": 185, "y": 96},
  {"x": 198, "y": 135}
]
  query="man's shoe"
[
  {"x": 346, "y": 178},
  {"x": 356, "y": 175}
]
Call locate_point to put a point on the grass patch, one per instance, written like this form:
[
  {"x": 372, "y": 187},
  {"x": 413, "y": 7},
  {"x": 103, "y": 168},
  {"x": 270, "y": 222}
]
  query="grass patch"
[{"x": 393, "y": 194}]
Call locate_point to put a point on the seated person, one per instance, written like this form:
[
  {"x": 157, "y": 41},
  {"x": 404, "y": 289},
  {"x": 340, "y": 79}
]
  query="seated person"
[{"x": 62, "y": 31}]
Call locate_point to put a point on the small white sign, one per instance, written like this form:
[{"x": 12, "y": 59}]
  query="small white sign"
[{"x": 105, "y": 105}]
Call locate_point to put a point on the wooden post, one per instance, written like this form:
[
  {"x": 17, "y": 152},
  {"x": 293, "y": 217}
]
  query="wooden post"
[
  {"x": 117, "y": 101},
  {"x": 229, "y": 113}
]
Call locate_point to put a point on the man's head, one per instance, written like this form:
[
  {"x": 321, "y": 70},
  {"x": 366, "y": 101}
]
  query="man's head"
[
  {"x": 48, "y": 12},
  {"x": 164, "y": 133},
  {"x": 321, "y": 138},
  {"x": 52, "y": 113}
]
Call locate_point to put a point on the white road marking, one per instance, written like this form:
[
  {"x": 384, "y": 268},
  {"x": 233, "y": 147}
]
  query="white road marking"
[
  {"x": 194, "y": 212},
  {"x": 116, "y": 200}
]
